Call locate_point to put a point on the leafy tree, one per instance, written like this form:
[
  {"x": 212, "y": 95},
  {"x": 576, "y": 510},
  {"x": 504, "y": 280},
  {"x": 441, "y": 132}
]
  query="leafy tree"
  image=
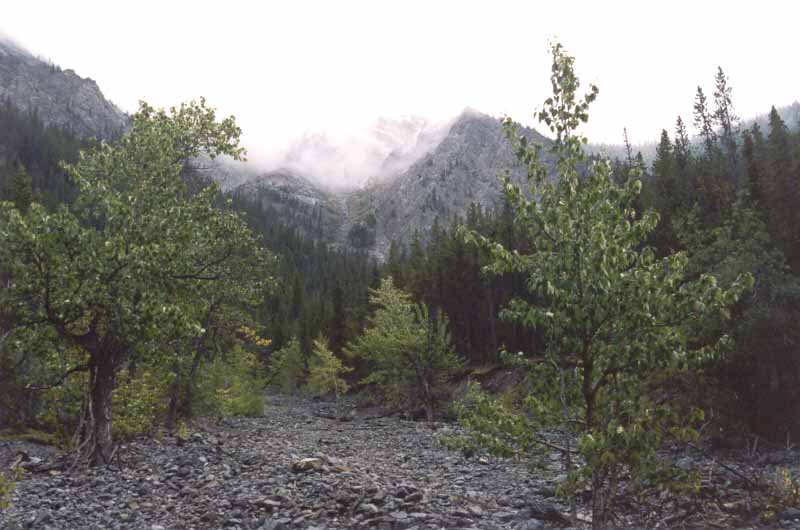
[
  {"x": 325, "y": 371},
  {"x": 409, "y": 353},
  {"x": 123, "y": 267},
  {"x": 617, "y": 320}
]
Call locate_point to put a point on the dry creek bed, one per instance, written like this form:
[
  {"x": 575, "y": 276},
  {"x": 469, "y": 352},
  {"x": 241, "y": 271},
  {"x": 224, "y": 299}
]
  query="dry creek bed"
[{"x": 376, "y": 472}]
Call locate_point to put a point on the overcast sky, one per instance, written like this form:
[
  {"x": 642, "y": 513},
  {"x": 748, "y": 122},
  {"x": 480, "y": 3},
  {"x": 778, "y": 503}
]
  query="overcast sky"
[{"x": 285, "y": 67}]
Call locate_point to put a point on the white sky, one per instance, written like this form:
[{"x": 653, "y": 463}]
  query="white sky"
[{"x": 286, "y": 67}]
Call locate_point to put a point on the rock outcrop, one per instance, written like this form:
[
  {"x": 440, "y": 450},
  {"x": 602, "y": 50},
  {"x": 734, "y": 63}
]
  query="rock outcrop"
[
  {"x": 462, "y": 169},
  {"x": 60, "y": 98}
]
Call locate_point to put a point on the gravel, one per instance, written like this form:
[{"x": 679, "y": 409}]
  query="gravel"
[{"x": 290, "y": 469}]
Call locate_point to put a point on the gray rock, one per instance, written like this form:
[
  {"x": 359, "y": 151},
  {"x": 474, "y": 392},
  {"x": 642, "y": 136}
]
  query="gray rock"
[
  {"x": 531, "y": 524},
  {"x": 413, "y": 497},
  {"x": 62, "y": 98},
  {"x": 369, "y": 508},
  {"x": 306, "y": 464},
  {"x": 272, "y": 524}
]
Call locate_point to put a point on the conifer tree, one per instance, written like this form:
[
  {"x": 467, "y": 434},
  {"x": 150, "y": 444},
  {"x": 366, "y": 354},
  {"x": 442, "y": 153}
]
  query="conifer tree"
[
  {"x": 784, "y": 190},
  {"x": 727, "y": 121},
  {"x": 753, "y": 157},
  {"x": 682, "y": 146},
  {"x": 703, "y": 122},
  {"x": 409, "y": 350},
  {"x": 20, "y": 189},
  {"x": 338, "y": 322}
]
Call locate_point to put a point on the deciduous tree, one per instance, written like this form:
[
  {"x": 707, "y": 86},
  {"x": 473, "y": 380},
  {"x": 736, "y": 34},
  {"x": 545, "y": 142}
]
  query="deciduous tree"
[{"x": 125, "y": 267}]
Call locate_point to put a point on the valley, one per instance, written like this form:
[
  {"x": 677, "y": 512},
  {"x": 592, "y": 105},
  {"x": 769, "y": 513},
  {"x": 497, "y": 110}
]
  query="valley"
[{"x": 417, "y": 321}]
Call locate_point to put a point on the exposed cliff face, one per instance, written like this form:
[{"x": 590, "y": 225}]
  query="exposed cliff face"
[
  {"x": 462, "y": 169},
  {"x": 60, "y": 98}
]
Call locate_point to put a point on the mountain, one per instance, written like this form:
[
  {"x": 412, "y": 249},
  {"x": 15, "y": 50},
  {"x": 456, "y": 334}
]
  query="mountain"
[
  {"x": 462, "y": 169},
  {"x": 60, "y": 98},
  {"x": 448, "y": 175},
  {"x": 286, "y": 197}
]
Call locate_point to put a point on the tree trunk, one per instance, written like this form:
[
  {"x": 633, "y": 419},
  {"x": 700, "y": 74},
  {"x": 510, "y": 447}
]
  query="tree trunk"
[
  {"x": 174, "y": 399},
  {"x": 492, "y": 322},
  {"x": 187, "y": 405},
  {"x": 588, "y": 390},
  {"x": 100, "y": 444}
]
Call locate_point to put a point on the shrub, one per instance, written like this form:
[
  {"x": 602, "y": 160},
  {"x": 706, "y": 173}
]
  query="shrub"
[
  {"x": 325, "y": 371},
  {"x": 287, "y": 367},
  {"x": 231, "y": 385},
  {"x": 410, "y": 354},
  {"x": 138, "y": 402},
  {"x": 8, "y": 483}
]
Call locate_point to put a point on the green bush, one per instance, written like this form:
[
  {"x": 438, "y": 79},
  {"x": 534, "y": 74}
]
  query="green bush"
[
  {"x": 61, "y": 407},
  {"x": 325, "y": 371},
  {"x": 287, "y": 367},
  {"x": 139, "y": 402},
  {"x": 231, "y": 386},
  {"x": 8, "y": 483},
  {"x": 410, "y": 353}
]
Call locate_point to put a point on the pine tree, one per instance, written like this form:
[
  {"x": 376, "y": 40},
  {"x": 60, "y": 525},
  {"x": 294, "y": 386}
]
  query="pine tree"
[
  {"x": 704, "y": 123},
  {"x": 19, "y": 189},
  {"x": 394, "y": 264},
  {"x": 784, "y": 196},
  {"x": 682, "y": 146},
  {"x": 325, "y": 371},
  {"x": 727, "y": 120},
  {"x": 666, "y": 193},
  {"x": 713, "y": 187},
  {"x": 408, "y": 349},
  {"x": 753, "y": 155},
  {"x": 338, "y": 322}
]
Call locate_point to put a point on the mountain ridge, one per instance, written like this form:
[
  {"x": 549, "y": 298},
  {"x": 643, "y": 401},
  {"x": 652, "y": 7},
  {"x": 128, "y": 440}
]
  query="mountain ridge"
[{"x": 60, "y": 98}]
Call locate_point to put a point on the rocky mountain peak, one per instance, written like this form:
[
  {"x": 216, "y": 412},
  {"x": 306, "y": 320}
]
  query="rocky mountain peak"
[{"x": 61, "y": 98}]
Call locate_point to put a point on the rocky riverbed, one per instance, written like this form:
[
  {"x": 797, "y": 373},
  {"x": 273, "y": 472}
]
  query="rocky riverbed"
[{"x": 298, "y": 467}]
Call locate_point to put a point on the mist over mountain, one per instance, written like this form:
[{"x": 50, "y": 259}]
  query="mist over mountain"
[{"x": 385, "y": 148}]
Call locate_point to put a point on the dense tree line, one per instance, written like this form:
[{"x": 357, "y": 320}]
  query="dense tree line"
[
  {"x": 732, "y": 201},
  {"x": 323, "y": 290},
  {"x": 446, "y": 274},
  {"x": 26, "y": 143}
]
